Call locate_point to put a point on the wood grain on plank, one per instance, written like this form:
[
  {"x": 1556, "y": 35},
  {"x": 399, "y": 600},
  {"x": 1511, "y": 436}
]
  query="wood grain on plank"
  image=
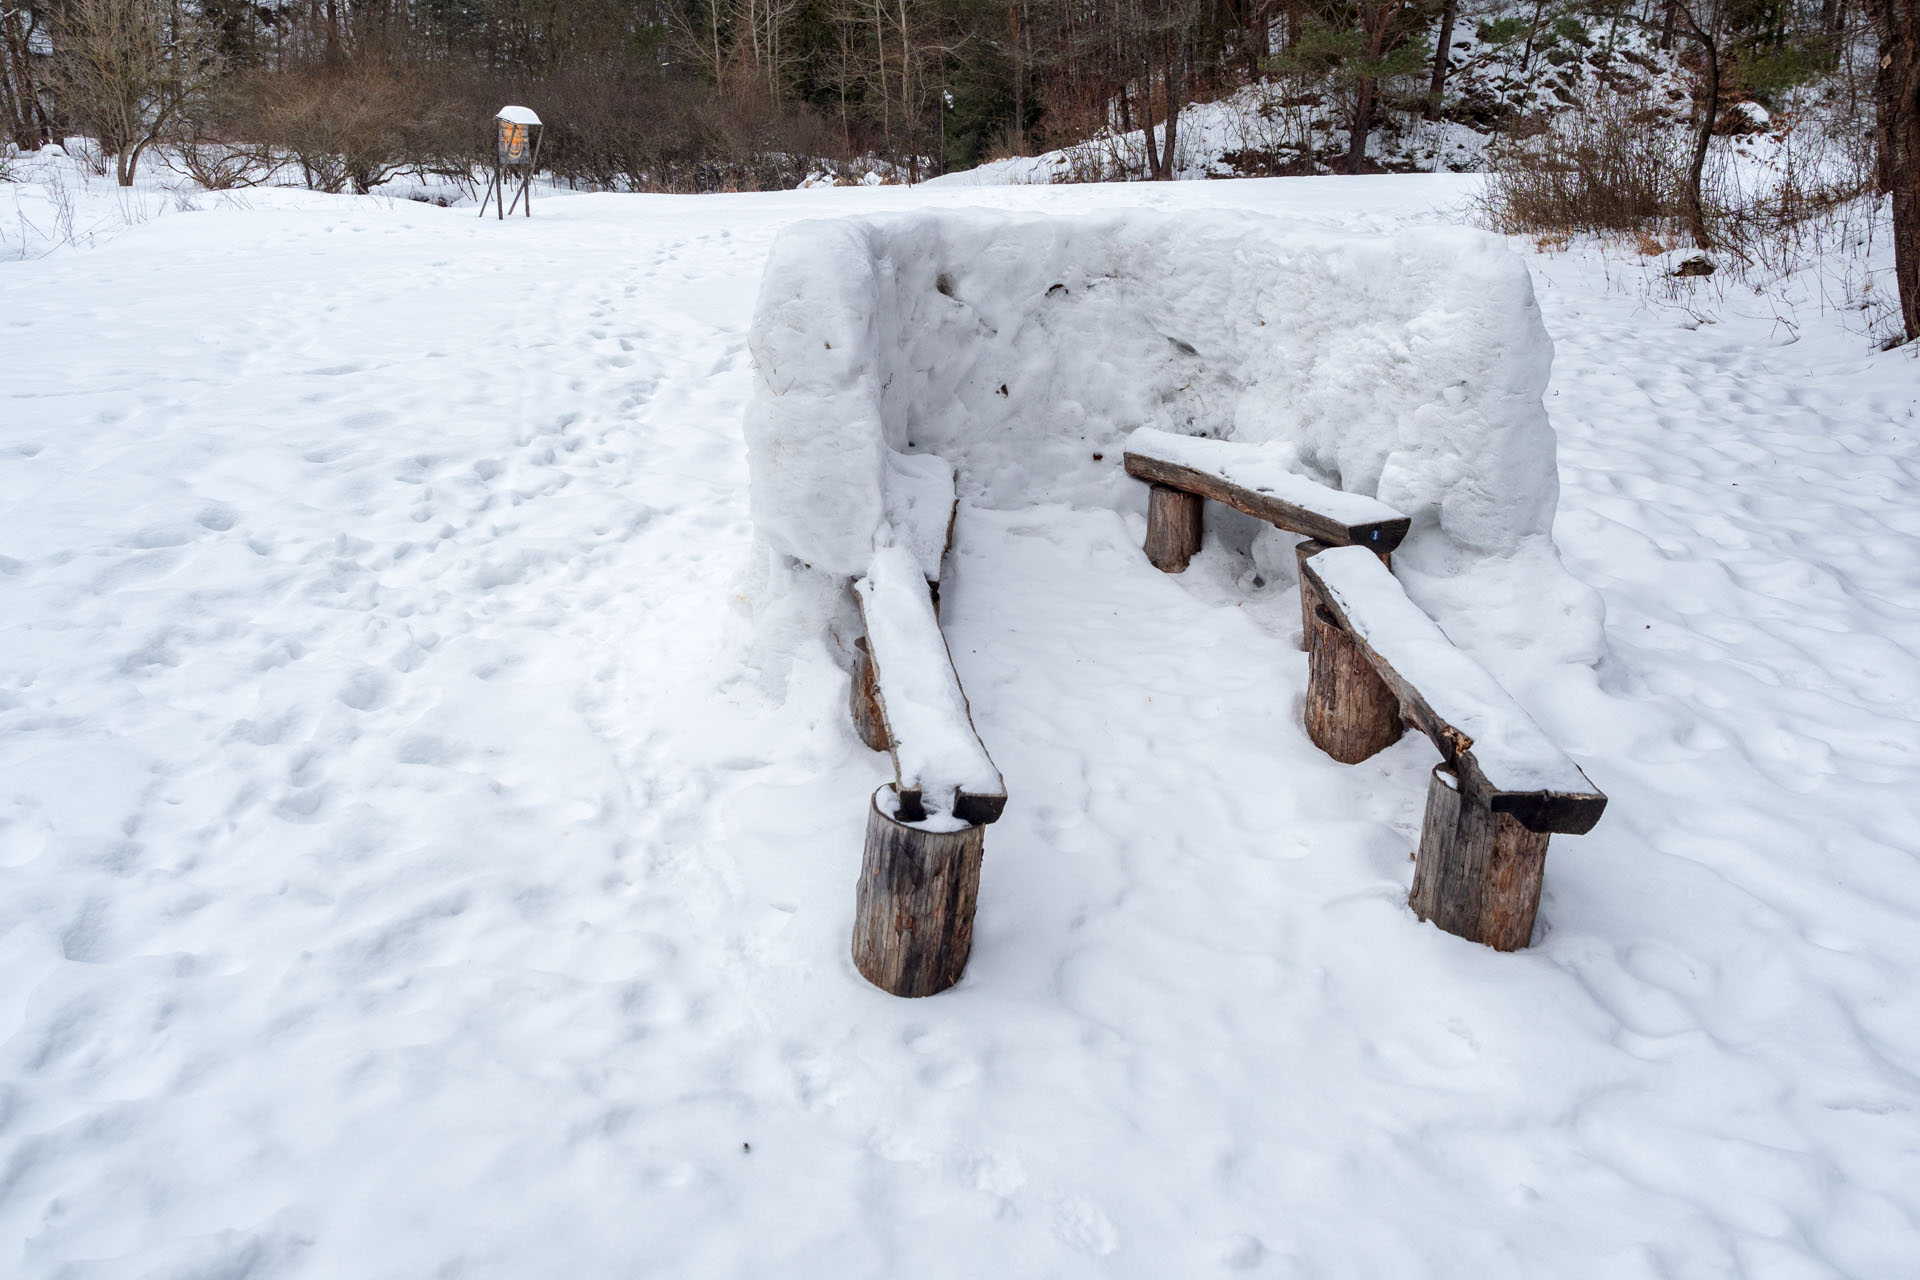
[{"x": 1375, "y": 535}]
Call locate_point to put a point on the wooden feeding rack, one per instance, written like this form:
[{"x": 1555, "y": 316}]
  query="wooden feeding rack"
[{"x": 516, "y": 155}]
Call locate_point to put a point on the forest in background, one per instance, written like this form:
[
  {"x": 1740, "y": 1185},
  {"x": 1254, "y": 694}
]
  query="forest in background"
[
  {"x": 706, "y": 94},
  {"x": 1602, "y": 113}
]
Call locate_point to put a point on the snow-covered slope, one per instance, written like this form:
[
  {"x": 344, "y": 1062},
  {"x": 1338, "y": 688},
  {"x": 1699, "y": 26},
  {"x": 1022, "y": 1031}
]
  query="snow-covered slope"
[{"x": 402, "y": 873}]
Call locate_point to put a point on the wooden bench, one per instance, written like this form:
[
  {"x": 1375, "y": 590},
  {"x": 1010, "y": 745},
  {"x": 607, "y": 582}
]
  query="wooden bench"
[
  {"x": 1253, "y": 478},
  {"x": 1503, "y": 787},
  {"x": 1376, "y": 661},
  {"x": 920, "y": 871}
]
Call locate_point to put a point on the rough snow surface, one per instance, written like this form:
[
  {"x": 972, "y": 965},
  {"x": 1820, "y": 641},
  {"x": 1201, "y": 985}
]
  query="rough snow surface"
[
  {"x": 1269, "y": 469},
  {"x": 400, "y": 877},
  {"x": 1511, "y": 750},
  {"x": 1406, "y": 368},
  {"x": 935, "y": 746}
]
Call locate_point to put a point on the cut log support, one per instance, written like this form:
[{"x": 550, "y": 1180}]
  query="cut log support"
[
  {"x": 1478, "y": 872},
  {"x": 913, "y": 914},
  {"x": 1351, "y": 713},
  {"x": 1173, "y": 528},
  {"x": 863, "y": 700}
]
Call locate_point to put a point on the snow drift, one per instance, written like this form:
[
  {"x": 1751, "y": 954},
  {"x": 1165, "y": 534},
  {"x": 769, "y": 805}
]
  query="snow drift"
[{"x": 1023, "y": 349}]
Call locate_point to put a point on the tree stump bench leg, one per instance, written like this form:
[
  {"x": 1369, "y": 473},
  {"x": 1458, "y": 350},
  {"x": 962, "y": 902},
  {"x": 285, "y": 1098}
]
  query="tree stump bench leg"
[
  {"x": 1173, "y": 527},
  {"x": 913, "y": 913},
  {"x": 1351, "y": 713},
  {"x": 863, "y": 700},
  {"x": 1478, "y": 872},
  {"x": 1302, "y": 552}
]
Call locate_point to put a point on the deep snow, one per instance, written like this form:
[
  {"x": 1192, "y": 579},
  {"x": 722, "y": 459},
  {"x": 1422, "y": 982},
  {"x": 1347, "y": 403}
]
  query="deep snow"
[{"x": 404, "y": 873}]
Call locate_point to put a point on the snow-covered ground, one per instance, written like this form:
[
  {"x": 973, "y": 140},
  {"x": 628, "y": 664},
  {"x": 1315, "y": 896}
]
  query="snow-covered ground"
[{"x": 403, "y": 873}]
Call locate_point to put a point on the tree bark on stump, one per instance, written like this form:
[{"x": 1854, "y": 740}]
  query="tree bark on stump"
[
  {"x": 1173, "y": 527},
  {"x": 863, "y": 700},
  {"x": 913, "y": 913},
  {"x": 1478, "y": 873},
  {"x": 1351, "y": 713},
  {"x": 1303, "y": 552}
]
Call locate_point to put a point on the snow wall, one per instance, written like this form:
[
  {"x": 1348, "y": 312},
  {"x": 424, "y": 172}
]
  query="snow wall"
[{"x": 1409, "y": 367}]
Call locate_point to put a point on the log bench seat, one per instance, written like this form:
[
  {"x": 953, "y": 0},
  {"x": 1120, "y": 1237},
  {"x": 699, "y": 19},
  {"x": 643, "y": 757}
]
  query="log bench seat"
[
  {"x": 920, "y": 869},
  {"x": 908, "y": 701},
  {"x": 1254, "y": 478},
  {"x": 1377, "y": 660}
]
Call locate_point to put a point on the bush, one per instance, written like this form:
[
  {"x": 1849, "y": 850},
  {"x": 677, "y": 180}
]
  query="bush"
[
  {"x": 615, "y": 127},
  {"x": 1598, "y": 170},
  {"x": 357, "y": 126}
]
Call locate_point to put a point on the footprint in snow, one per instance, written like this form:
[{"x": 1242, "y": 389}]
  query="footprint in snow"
[
  {"x": 365, "y": 690},
  {"x": 1083, "y": 1225},
  {"x": 1243, "y": 1253},
  {"x": 302, "y": 806},
  {"x": 425, "y": 748}
]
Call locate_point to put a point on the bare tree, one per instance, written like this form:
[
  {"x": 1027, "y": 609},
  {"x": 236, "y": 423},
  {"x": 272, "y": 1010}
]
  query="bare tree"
[
  {"x": 1706, "y": 107},
  {"x": 124, "y": 70},
  {"x": 1388, "y": 48},
  {"x": 1164, "y": 42},
  {"x": 1896, "y": 23},
  {"x": 1442, "y": 51},
  {"x": 25, "y": 116}
]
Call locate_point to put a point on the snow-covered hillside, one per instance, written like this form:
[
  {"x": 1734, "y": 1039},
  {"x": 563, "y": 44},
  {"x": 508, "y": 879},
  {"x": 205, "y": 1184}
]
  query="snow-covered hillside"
[{"x": 404, "y": 872}]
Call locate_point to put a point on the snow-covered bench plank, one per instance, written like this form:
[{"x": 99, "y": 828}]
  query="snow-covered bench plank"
[
  {"x": 1505, "y": 759},
  {"x": 1503, "y": 787},
  {"x": 921, "y": 504},
  {"x": 940, "y": 764},
  {"x": 1252, "y": 478},
  {"x": 920, "y": 867}
]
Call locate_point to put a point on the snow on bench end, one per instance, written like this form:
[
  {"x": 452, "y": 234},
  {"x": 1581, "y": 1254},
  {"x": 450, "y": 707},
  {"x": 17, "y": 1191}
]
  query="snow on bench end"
[{"x": 935, "y": 748}]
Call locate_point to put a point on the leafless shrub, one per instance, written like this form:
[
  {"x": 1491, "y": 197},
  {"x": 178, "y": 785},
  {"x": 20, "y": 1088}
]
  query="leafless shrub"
[
  {"x": 90, "y": 154},
  {"x": 1790, "y": 212},
  {"x": 220, "y": 166},
  {"x": 612, "y": 128},
  {"x": 126, "y": 70},
  {"x": 1605, "y": 168},
  {"x": 1288, "y": 131},
  {"x": 356, "y": 127}
]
